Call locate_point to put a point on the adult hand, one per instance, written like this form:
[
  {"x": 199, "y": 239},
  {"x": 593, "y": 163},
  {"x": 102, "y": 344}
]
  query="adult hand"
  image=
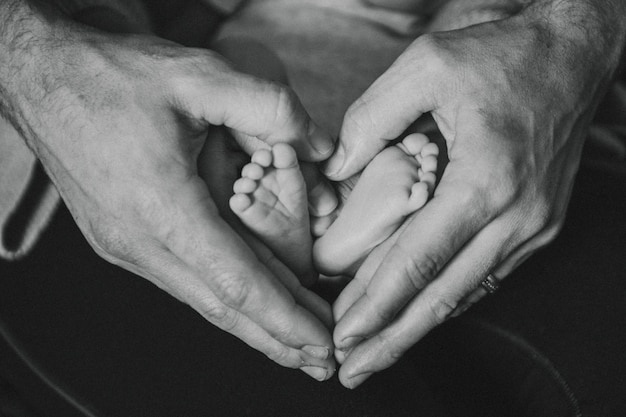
[
  {"x": 118, "y": 122},
  {"x": 512, "y": 99}
]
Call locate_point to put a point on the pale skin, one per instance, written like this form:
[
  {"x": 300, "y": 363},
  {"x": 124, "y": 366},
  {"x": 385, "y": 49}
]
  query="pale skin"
[
  {"x": 118, "y": 122},
  {"x": 394, "y": 185},
  {"x": 289, "y": 196},
  {"x": 429, "y": 269},
  {"x": 513, "y": 99},
  {"x": 270, "y": 198}
]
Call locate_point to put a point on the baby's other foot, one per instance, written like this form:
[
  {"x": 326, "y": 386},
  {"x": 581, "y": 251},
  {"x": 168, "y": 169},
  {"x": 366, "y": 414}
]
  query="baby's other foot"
[
  {"x": 271, "y": 200},
  {"x": 323, "y": 201},
  {"x": 395, "y": 184}
]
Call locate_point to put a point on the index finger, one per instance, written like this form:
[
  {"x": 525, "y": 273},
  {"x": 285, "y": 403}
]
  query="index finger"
[
  {"x": 216, "y": 264},
  {"x": 386, "y": 109},
  {"x": 423, "y": 249}
]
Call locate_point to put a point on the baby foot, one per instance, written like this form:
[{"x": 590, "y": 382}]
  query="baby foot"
[
  {"x": 271, "y": 200},
  {"x": 396, "y": 183}
]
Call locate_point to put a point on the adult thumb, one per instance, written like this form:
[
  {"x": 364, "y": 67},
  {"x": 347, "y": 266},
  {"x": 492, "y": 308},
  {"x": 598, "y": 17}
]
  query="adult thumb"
[
  {"x": 260, "y": 109},
  {"x": 386, "y": 109}
]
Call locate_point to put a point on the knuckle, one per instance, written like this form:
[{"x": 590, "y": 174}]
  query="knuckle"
[
  {"x": 433, "y": 48},
  {"x": 392, "y": 351},
  {"x": 385, "y": 315},
  {"x": 111, "y": 242},
  {"x": 393, "y": 355},
  {"x": 475, "y": 194},
  {"x": 549, "y": 234},
  {"x": 420, "y": 268},
  {"x": 490, "y": 194},
  {"x": 231, "y": 289},
  {"x": 552, "y": 231},
  {"x": 538, "y": 219},
  {"x": 281, "y": 355},
  {"x": 541, "y": 216},
  {"x": 501, "y": 188},
  {"x": 441, "y": 308},
  {"x": 358, "y": 120},
  {"x": 219, "y": 315},
  {"x": 438, "y": 60}
]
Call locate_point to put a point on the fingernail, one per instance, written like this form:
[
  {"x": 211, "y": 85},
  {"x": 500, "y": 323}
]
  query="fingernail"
[
  {"x": 315, "y": 372},
  {"x": 349, "y": 342},
  {"x": 318, "y": 352},
  {"x": 357, "y": 380},
  {"x": 321, "y": 141},
  {"x": 334, "y": 164}
]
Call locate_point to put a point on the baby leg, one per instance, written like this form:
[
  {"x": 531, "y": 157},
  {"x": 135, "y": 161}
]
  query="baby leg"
[
  {"x": 395, "y": 184},
  {"x": 271, "y": 200}
]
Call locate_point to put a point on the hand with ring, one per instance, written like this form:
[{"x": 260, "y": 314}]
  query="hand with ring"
[{"x": 512, "y": 98}]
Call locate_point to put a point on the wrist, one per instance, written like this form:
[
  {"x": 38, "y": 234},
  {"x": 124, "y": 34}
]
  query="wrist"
[{"x": 40, "y": 50}]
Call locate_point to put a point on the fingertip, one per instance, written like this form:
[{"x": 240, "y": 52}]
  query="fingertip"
[
  {"x": 321, "y": 141},
  {"x": 333, "y": 168},
  {"x": 318, "y": 373},
  {"x": 352, "y": 381},
  {"x": 348, "y": 343}
]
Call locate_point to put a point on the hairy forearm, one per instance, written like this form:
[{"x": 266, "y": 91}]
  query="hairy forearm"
[
  {"x": 599, "y": 26},
  {"x": 45, "y": 60},
  {"x": 24, "y": 33}
]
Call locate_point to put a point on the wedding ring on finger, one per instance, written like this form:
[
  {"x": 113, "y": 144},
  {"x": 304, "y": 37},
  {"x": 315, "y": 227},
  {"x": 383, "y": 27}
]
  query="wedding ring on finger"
[{"x": 490, "y": 284}]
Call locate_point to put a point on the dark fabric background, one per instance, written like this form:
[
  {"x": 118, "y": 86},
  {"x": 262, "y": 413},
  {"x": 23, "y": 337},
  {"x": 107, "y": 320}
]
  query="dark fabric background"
[{"x": 550, "y": 342}]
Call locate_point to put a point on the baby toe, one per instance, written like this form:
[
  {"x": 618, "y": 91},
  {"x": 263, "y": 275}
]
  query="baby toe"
[
  {"x": 430, "y": 149},
  {"x": 284, "y": 156},
  {"x": 419, "y": 196},
  {"x": 252, "y": 171},
  {"x": 415, "y": 142},
  {"x": 429, "y": 163},
  {"x": 244, "y": 185},
  {"x": 262, "y": 157},
  {"x": 239, "y": 202},
  {"x": 429, "y": 179}
]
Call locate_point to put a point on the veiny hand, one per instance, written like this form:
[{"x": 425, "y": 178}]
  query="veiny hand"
[
  {"x": 513, "y": 99},
  {"x": 118, "y": 122}
]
